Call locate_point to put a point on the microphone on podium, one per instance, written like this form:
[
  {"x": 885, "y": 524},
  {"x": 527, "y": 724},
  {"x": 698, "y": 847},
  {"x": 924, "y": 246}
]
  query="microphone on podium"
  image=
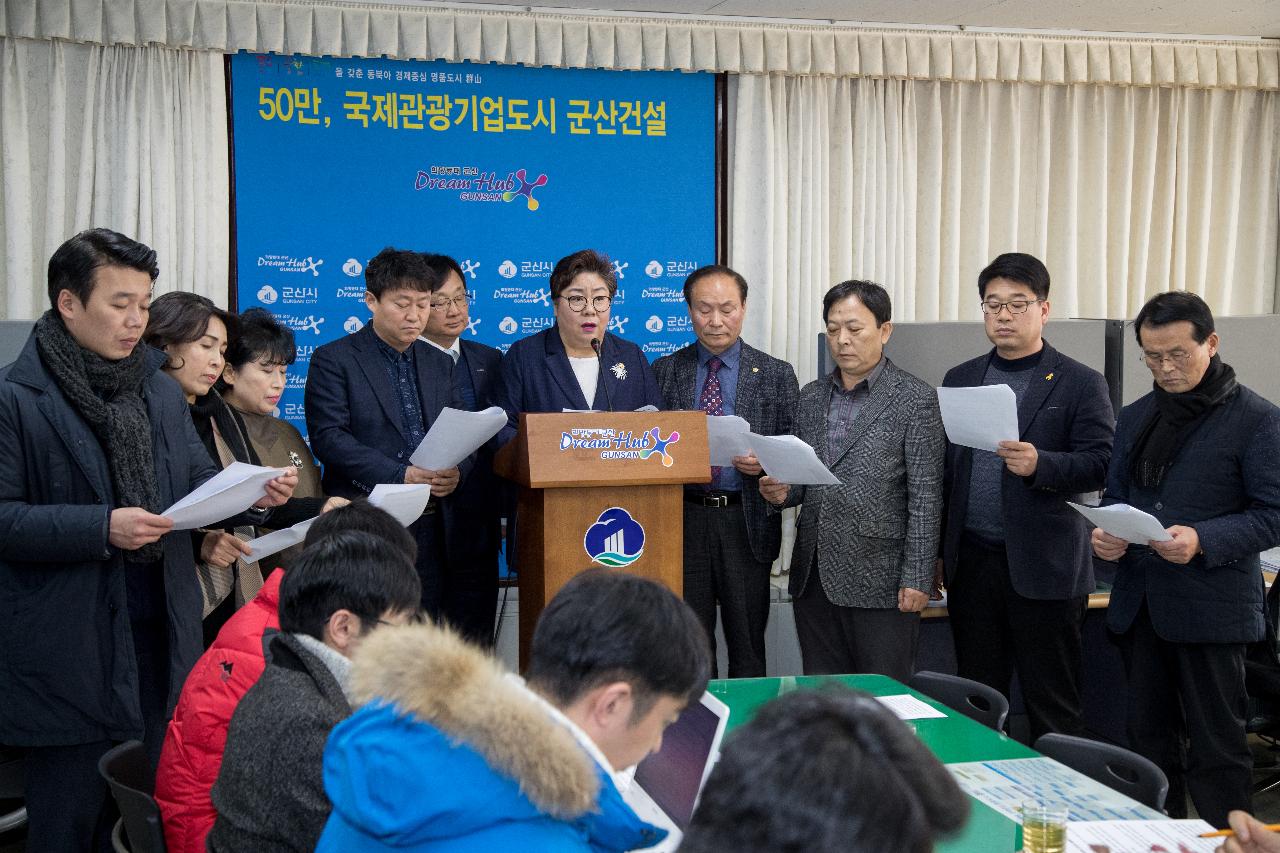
[{"x": 595, "y": 346}]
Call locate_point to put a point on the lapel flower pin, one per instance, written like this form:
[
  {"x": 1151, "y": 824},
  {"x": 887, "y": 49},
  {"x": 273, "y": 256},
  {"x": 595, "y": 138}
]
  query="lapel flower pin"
[
  {"x": 619, "y": 370},
  {"x": 755, "y": 370},
  {"x": 295, "y": 458}
]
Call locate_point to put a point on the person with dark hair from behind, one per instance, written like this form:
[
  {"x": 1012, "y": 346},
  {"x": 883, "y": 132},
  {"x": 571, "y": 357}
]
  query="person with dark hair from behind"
[
  {"x": 372, "y": 396},
  {"x": 1016, "y": 558},
  {"x": 825, "y": 771},
  {"x": 197, "y": 734},
  {"x": 270, "y": 794},
  {"x": 101, "y": 621},
  {"x": 450, "y": 754},
  {"x": 473, "y": 526},
  {"x": 1201, "y": 453},
  {"x": 195, "y": 334}
]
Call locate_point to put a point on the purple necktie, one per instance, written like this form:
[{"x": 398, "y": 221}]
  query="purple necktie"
[{"x": 712, "y": 403}]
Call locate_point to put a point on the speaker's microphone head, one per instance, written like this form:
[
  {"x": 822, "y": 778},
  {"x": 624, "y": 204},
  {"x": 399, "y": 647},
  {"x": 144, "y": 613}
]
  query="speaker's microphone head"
[{"x": 595, "y": 345}]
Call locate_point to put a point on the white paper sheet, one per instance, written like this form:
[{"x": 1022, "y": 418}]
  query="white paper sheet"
[
  {"x": 789, "y": 460},
  {"x": 1005, "y": 784},
  {"x": 1139, "y": 836},
  {"x": 455, "y": 435},
  {"x": 979, "y": 417},
  {"x": 277, "y": 540},
  {"x": 233, "y": 490},
  {"x": 404, "y": 501},
  {"x": 1125, "y": 522},
  {"x": 650, "y": 407},
  {"x": 728, "y": 436},
  {"x": 907, "y": 707}
]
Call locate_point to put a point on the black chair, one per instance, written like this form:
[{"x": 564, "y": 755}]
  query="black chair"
[
  {"x": 12, "y": 812},
  {"x": 1116, "y": 767},
  {"x": 133, "y": 784},
  {"x": 971, "y": 698},
  {"x": 1262, "y": 683}
]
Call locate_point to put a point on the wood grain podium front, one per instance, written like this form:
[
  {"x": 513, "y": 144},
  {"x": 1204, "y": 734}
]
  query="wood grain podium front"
[{"x": 600, "y": 489}]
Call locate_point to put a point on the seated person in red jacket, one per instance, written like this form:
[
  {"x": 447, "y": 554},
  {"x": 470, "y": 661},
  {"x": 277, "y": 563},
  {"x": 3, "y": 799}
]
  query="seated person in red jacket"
[{"x": 193, "y": 744}]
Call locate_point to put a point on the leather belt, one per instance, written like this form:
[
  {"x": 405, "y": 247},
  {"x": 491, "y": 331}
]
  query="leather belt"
[{"x": 713, "y": 499}]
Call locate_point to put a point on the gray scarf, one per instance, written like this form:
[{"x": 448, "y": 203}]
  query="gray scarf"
[{"x": 108, "y": 395}]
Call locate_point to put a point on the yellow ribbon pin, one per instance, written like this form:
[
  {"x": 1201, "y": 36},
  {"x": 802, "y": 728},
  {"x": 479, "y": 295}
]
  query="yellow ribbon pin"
[{"x": 1047, "y": 378}]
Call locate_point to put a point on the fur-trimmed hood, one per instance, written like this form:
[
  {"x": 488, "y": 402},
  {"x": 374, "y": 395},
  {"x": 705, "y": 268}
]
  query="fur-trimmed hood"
[
  {"x": 448, "y": 753},
  {"x": 431, "y": 673}
]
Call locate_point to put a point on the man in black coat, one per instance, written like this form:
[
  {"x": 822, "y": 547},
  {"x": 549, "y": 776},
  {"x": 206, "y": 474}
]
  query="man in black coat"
[
  {"x": 1202, "y": 454},
  {"x": 373, "y": 395},
  {"x": 730, "y": 539},
  {"x": 270, "y": 790},
  {"x": 1017, "y": 561},
  {"x": 99, "y": 608},
  {"x": 473, "y": 520}
]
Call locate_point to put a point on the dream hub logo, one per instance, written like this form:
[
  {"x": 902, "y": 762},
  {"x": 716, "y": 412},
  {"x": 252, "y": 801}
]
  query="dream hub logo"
[
  {"x": 526, "y": 189},
  {"x": 615, "y": 540}
]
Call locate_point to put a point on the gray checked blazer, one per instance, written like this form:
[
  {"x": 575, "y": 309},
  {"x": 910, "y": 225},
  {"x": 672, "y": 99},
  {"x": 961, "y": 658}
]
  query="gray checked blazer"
[
  {"x": 878, "y": 530},
  {"x": 766, "y": 398}
]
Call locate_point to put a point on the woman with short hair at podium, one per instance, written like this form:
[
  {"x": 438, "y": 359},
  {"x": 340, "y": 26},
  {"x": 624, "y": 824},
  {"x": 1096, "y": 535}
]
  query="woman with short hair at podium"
[{"x": 577, "y": 363}]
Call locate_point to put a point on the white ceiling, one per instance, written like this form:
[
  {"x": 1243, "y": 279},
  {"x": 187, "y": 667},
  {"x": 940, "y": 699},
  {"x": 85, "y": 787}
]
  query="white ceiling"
[{"x": 1240, "y": 18}]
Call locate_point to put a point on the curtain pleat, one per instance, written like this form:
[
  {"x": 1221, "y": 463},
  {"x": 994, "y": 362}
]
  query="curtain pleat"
[
  {"x": 918, "y": 184},
  {"x": 321, "y": 28},
  {"x": 133, "y": 139}
]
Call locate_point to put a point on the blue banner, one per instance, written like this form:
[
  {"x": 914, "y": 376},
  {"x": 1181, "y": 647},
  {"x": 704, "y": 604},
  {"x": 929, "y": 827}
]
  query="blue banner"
[{"x": 505, "y": 168}]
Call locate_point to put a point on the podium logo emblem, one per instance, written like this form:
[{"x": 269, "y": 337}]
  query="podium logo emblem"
[{"x": 615, "y": 540}]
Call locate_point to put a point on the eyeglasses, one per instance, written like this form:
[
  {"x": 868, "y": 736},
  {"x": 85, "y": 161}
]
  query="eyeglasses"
[
  {"x": 578, "y": 303},
  {"x": 1015, "y": 306},
  {"x": 1154, "y": 360},
  {"x": 417, "y": 617},
  {"x": 462, "y": 300}
]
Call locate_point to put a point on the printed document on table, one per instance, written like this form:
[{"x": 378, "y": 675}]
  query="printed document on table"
[
  {"x": 277, "y": 540},
  {"x": 789, "y": 460},
  {"x": 1139, "y": 836},
  {"x": 456, "y": 435},
  {"x": 908, "y": 707},
  {"x": 979, "y": 417},
  {"x": 1125, "y": 522},
  {"x": 404, "y": 501},
  {"x": 233, "y": 490},
  {"x": 728, "y": 436},
  {"x": 1005, "y": 784}
]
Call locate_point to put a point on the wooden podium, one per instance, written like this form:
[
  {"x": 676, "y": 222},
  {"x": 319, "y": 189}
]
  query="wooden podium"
[{"x": 600, "y": 489}]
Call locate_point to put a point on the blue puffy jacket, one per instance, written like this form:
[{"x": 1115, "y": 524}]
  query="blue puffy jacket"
[{"x": 467, "y": 761}]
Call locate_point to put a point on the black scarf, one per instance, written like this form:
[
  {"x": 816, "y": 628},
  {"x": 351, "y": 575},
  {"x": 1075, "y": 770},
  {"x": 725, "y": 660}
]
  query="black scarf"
[
  {"x": 212, "y": 410},
  {"x": 1172, "y": 419},
  {"x": 108, "y": 395}
]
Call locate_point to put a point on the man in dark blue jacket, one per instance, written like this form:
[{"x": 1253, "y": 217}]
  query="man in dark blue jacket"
[
  {"x": 473, "y": 534},
  {"x": 1016, "y": 557},
  {"x": 99, "y": 608},
  {"x": 372, "y": 396},
  {"x": 1202, "y": 454}
]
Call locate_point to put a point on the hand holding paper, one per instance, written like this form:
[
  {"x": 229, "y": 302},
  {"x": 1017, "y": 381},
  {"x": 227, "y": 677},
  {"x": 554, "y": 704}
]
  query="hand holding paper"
[
  {"x": 1124, "y": 522},
  {"x": 790, "y": 460},
  {"x": 405, "y": 503},
  {"x": 979, "y": 417},
  {"x": 455, "y": 435},
  {"x": 728, "y": 436},
  {"x": 233, "y": 490}
]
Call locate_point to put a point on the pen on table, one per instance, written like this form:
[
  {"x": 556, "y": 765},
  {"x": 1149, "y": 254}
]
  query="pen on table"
[{"x": 1230, "y": 833}]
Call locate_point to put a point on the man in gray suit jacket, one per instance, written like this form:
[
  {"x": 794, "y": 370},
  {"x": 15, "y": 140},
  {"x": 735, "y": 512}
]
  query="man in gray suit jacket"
[
  {"x": 862, "y": 565},
  {"x": 730, "y": 537}
]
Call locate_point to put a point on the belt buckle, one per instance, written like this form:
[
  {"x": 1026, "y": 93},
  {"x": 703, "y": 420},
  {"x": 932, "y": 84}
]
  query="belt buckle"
[{"x": 715, "y": 500}]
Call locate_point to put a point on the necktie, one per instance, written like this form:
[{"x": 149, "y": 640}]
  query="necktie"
[{"x": 712, "y": 403}]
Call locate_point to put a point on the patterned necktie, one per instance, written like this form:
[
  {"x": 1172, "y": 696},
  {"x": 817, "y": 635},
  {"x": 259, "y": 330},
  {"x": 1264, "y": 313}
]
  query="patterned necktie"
[{"x": 712, "y": 403}]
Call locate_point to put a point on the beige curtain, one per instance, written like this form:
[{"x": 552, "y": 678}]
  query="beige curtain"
[
  {"x": 1123, "y": 191},
  {"x": 129, "y": 138},
  {"x": 402, "y": 30}
]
